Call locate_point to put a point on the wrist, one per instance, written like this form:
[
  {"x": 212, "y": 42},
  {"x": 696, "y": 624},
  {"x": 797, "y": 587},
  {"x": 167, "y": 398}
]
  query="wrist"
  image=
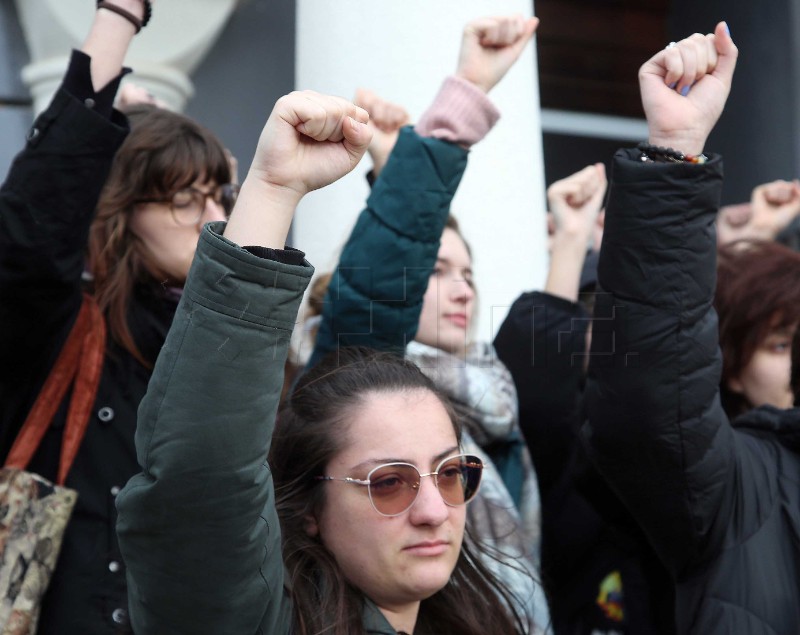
[
  {"x": 263, "y": 214},
  {"x": 569, "y": 240},
  {"x": 136, "y": 7},
  {"x": 136, "y": 12},
  {"x": 685, "y": 144},
  {"x": 660, "y": 154},
  {"x": 482, "y": 86}
]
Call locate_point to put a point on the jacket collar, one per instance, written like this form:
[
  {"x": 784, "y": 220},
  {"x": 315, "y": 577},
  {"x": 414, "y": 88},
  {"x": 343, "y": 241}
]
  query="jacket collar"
[
  {"x": 374, "y": 621},
  {"x": 785, "y": 424}
]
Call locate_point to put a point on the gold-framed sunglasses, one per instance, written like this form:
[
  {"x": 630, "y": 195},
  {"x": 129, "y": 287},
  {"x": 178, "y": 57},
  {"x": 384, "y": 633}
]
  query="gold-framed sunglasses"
[{"x": 393, "y": 487}]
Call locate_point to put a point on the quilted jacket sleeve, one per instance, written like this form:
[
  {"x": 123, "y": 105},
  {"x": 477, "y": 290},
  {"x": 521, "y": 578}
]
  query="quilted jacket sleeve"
[
  {"x": 198, "y": 527},
  {"x": 656, "y": 428},
  {"x": 375, "y": 296}
]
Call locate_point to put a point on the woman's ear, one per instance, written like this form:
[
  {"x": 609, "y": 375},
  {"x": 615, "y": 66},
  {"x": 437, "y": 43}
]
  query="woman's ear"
[
  {"x": 735, "y": 385},
  {"x": 310, "y": 526}
]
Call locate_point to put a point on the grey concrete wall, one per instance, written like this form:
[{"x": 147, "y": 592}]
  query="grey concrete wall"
[
  {"x": 15, "y": 116},
  {"x": 250, "y": 66},
  {"x": 248, "y": 69}
]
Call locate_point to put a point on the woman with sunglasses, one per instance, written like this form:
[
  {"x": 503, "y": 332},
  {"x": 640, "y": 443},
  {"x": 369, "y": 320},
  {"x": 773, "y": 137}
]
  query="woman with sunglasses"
[
  {"x": 169, "y": 177},
  {"x": 405, "y": 274},
  {"x": 355, "y": 523}
]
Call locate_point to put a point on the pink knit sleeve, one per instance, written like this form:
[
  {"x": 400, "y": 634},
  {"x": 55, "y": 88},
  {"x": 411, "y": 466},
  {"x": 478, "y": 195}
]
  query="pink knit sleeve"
[{"x": 461, "y": 113}]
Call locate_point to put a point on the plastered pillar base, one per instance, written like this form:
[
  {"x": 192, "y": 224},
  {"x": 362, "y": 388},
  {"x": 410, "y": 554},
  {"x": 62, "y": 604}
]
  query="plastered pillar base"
[{"x": 163, "y": 55}]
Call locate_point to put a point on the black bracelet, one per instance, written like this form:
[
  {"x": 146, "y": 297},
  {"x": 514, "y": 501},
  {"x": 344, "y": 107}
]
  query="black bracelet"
[
  {"x": 657, "y": 154},
  {"x": 136, "y": 22}
]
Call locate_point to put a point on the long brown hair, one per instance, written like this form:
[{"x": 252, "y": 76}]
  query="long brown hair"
[
  {"x": 164, "y": 152},
  {"x": 310, "y": 431}
]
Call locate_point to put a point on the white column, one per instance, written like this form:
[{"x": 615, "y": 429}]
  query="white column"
[
  {"x": 403, "y": 50},
  {"x": 163, "y": 54}
]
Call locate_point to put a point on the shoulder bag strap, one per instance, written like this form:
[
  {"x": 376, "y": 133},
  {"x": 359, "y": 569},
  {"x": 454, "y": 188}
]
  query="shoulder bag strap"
[{"x": 81, "y": 362}]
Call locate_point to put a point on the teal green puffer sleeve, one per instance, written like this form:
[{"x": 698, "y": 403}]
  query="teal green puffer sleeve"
[{"x": 375, "y": 296}]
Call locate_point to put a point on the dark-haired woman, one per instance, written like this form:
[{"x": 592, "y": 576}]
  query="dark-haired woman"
[
  {"x": 406, "y": 274},
  {"x": 758, "y": 303},
  {"x": 366, "y": 483},
  {"x": 169, "y": 177}
]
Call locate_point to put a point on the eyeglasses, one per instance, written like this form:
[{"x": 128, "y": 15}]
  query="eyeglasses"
[
  {"x": 189, "y": 204},
  {"x": 393, "y": 487}
]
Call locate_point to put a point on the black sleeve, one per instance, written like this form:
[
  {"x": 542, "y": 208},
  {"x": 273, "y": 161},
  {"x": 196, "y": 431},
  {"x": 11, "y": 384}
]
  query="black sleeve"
[
  {"x": 46, "y": 207},
  {"x": 543, "y": 343},
  {"x": 78, "y": 83},
  {"x": 656, "y": 430}
]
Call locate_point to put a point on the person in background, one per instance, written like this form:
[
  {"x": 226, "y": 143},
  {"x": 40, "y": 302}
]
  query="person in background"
[
  {"x": 127, "y": 196},
  {"x": 773, "y": 213},
  {"x": 600, "y": 574},
  {"x": 758, "y": 304}
]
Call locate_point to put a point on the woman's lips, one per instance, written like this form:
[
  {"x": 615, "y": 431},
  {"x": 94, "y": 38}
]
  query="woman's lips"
[
  {"x": 459, "y": 319},
  {"x": 428, "y": 548}
]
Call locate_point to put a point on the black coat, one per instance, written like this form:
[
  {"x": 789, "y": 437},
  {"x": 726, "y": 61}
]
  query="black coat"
[
  {"x": 46, "y": 207},
  {"x": 719, "y": 503},
  {"x": 587, "y": 534}
]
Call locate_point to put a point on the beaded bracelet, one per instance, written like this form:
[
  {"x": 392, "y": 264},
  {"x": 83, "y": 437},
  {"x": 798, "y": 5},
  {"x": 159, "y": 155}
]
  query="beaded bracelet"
[
  {"x": 136, "y": 22},
  {"x": 657, "y": 154}
]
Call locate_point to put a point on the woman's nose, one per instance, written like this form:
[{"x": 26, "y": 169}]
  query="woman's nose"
[
  {"x": 213, "y": 211},
  {"x": 461, "y": 290},
  {"x": 429, "y": 507}
]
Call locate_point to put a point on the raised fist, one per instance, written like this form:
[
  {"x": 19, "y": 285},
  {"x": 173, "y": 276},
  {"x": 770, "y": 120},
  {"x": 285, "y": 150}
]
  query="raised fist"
[
  {"x": 490, "y": 46},
  {"x": 684, "y": 88},
  {"x": 309, "y": 141},
  {"x": 385, "y": 121}
]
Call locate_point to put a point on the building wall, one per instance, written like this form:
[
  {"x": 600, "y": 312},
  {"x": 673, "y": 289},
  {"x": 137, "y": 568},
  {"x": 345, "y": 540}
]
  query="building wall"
[
  {"x": 15, "y": 115},
  {"x": 249, "y": 68}
]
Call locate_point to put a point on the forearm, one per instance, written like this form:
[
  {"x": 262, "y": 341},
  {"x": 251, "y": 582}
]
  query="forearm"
[
  {"x": 567, "y": 255},
  {"x": 108, "y": 41},
  {"x": 375, "y": 296},
  {"x": 656, "y": 430},
  {"x": 247, "y": 225}
]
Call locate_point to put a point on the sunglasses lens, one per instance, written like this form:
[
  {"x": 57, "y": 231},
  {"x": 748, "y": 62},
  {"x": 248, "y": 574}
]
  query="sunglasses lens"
[
  {"x": 459, "y": 478},
  {"x": 393, "y": 488}
]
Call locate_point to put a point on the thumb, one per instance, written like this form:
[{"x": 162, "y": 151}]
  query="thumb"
[
  {"x": 357, "y": 136},
  {"x": 727, "y": 52},
  {"x": 531, "y": 24}
]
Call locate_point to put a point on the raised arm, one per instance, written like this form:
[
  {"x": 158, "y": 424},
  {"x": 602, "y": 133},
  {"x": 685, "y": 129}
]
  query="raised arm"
[
  {"x": 46, "y": 206},
  {"x": 543, "y": 340},
  {"x": 773, "y": 208},
  {"x": 198, "y": 527},
  {"x": 375, "y": 296},
  {"x": 385, "y": 120},
  {"x": 656, "y": 430}
]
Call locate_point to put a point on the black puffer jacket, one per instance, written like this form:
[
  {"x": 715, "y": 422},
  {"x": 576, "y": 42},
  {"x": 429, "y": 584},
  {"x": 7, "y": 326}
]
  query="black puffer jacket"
[{"x": 720, "y": 503}]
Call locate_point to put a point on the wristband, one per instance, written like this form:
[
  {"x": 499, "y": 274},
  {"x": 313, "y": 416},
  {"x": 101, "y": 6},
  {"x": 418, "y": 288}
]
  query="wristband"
[
  {"x": 136, "y": 22},
  {"x": 657, "y": 154}
]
